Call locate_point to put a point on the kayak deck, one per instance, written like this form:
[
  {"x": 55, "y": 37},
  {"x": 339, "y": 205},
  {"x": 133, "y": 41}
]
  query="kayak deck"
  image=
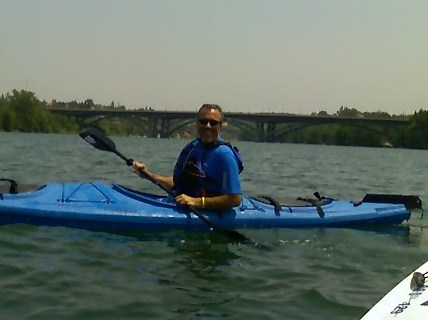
[{"x": 98, "y": 205}]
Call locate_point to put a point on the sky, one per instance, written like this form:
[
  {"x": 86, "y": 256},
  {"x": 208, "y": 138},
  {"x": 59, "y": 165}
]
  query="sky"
[{"x": 296, "y": 56}]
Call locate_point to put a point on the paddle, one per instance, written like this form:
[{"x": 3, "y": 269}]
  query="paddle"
[{"x": 99, "y": 140}]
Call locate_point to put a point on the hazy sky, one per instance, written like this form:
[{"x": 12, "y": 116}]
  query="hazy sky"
[{"x": 295, "y": 56}]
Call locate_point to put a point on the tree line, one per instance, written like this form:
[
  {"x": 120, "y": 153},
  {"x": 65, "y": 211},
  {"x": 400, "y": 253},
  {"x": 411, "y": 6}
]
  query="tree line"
[
  {"x": 413, "y": 135},
  {"x": 22, "y": 111}
]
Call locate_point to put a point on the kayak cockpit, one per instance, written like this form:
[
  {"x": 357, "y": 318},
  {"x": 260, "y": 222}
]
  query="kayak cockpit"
[{"x": 143, "y": 196}]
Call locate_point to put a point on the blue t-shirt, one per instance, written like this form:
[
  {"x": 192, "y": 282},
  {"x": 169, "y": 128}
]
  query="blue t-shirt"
[
  {"x": 220, "y": 165},
  {"x": 211, "y": 168}
]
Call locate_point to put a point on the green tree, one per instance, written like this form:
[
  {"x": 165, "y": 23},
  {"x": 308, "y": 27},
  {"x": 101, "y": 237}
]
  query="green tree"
[
  {"x": 349, "y": 113},
  {"x": 416, "y": 133},
  {"x": 25, "y": 105},
  {"x": 7, "y": 119},
  {"x": 22, "y": 111}
]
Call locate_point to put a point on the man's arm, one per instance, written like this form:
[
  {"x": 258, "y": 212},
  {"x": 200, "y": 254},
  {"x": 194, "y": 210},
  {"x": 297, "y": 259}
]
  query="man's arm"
[
  {"x": 166, "y": 181},
  {"x": 221, "y": 203}
]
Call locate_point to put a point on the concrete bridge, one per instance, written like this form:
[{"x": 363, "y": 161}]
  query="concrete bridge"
[{"x": 164, "y": 123}]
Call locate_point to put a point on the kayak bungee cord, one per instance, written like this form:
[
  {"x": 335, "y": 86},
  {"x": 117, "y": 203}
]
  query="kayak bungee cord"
[{"x": 99, "y": 140}]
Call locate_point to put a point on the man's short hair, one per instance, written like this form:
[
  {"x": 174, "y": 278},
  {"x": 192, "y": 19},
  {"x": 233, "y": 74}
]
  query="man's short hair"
[{"x": 211, "y": 106}]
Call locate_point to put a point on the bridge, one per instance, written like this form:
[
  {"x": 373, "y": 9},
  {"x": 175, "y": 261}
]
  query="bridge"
[{"x": 164, "y": 123}]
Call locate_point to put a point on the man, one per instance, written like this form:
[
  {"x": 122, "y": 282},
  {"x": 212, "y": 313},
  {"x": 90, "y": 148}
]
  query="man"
[{"x": 206, "y": 174}]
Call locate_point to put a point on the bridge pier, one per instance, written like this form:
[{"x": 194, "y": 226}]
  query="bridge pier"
[
  {"x": 153, "y": 127},
  {"x": 270, "y": 132},
  {"x": 159, "y": 127},
  {"x": 260, "y": 127},
  {"x": 265, "y": 131}
]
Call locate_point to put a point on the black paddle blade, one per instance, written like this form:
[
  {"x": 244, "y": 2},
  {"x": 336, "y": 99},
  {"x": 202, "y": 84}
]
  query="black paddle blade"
[
  {"x": 234, "y": 235},
  {"x": 231, "y": 234},
  {"x": 98, "y": 139},
  {"x": 240, "y": 238}
]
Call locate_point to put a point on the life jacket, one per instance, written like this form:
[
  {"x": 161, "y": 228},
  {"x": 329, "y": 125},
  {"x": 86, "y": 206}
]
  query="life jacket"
[{"x": 189, "y": 177}]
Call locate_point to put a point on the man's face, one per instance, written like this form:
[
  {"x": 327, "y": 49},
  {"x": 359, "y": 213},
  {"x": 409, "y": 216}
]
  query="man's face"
[{"x": 208, "y": 125}]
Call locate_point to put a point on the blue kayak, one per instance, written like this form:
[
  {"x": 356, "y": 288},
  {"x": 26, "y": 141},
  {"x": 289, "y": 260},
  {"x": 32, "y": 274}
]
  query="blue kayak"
[{"x": 103, "y": 206}]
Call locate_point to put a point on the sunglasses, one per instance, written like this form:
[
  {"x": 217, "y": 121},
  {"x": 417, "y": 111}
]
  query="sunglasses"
[{"x": 212, "y": 123}]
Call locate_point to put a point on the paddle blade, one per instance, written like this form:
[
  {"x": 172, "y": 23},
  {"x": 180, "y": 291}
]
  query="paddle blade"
[
  {"x": 239, "y": 237},
  {"x": 234, "y": 235},
  {"x": 98, "y": 139}
]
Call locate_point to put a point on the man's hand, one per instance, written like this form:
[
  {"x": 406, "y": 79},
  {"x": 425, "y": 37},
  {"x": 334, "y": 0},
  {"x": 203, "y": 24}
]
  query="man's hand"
[
  {"x": 185, "y": 200},
  {"x": 138, "y": 167}
]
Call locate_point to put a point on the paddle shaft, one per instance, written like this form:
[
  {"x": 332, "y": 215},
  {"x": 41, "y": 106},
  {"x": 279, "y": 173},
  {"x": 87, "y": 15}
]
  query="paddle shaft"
[{"x": 128, "y": 161}]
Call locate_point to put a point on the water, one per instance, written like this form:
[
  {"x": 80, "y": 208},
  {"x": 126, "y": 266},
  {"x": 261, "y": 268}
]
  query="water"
[{"x": 312, "y": 273}]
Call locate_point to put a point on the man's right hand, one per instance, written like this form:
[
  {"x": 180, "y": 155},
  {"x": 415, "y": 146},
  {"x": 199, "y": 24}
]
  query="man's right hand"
[{"x": 138, "y": 167}]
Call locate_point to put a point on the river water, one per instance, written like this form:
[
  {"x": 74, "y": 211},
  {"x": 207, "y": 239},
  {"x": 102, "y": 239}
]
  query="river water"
[{"x": 315, "y": 273}]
